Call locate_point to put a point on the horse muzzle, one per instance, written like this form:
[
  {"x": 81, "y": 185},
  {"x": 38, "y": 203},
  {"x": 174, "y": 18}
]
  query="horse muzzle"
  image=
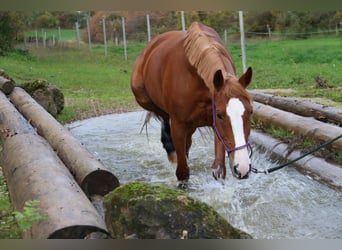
[{"x": 237, "y": 174}]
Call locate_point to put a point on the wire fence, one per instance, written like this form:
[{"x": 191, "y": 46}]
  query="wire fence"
[{"x": 142, "y": 30}]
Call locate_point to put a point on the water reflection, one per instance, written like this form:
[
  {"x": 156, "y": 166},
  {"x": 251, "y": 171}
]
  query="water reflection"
[{"x": 285, "y": 204}]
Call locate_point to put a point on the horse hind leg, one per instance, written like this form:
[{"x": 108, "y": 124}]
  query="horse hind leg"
[{"x": 167, "y": 141}]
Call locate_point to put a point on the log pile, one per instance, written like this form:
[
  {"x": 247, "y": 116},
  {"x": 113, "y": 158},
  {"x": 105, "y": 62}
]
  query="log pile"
[
  {"x": 300, "y": 107},
  {"x": 34, "y": 172},
  {"x": 42, "y": 161},
  {"x": 6, "y": 85},
  {"x": 307, "y": 126},
  {"x": 90, "y": 173},
  {"x": 300, "y": 117}
]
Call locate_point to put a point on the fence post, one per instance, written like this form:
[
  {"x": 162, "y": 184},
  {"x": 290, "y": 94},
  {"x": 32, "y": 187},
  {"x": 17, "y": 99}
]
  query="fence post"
[
  {"x": 183, "y": 20},
  {"x": 124, "y": 37},
  {"x": 243, "y": 48},
  {"x": 225, "y": 36},
  {"x": 336, "y": 29},
  {"x": 77, "y": 34},
  {"x": 59, "y": 34},
  {"x": 104, "y": 35},
  {"x": 148, "y": 28},
  {"x": 269, "y": 31},
  {"x": 44, "y": 39},
  {"x": 36, "y": 39},
  {"x": 88, "y": 30}
]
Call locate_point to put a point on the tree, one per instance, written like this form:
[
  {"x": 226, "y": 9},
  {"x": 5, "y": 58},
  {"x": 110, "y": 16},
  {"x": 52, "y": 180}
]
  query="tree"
[
  {"x": 7, "y": 31},
  {"x": 12, "y": 25},
  {"x": 47, "y": 20},
  {"x": 113, "y": 24},
  {"x": 259, "y": 21}
]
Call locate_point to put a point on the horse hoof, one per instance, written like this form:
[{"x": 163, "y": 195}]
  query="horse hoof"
[
  {"x": 183, "y": 185},
  {"x": 219, "y": 173}
]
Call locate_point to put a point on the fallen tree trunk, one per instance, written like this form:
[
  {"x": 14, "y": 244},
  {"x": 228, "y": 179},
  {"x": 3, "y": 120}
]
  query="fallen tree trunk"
[
  {"x": 308, "y": 126},
  {"x": 6, "y": 85},
  {"x": 90, "y": 173},
  {"x": 34, "y": 172},
  {"x": 300, "y": 107},
  {"x": 315, "y": 167}
]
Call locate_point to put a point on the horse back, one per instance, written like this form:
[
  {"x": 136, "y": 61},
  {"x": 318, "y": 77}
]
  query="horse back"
[{"x": 168, "y": 79}]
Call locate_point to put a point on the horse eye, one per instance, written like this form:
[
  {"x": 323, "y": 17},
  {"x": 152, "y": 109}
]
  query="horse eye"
[{"x": 220, "y": 116}]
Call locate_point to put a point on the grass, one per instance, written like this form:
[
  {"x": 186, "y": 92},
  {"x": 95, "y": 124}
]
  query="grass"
[
  {"x": 66, "y": 34},
  {"x": 295, "y": 64},
  {"x": 94, "y": 84},
  {"x": 9, "y": 228}
]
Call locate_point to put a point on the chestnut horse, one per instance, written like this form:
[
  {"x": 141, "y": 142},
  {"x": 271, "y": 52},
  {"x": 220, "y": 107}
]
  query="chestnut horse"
[{"x": 188, "y": 79}]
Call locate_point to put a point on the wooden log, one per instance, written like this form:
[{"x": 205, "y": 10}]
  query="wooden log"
[
  {"x": 34, "y": 172},
  {"x": 308, "y": 126},
  {"x": 300, "y": 107},
  {"x": 6, "y": 85},
  {"x": 315, "y": 167},
  {"x": 93, "y": 177}
]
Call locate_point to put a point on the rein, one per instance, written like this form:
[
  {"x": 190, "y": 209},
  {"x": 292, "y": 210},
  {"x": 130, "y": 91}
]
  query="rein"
[
  {"x": 229, "y": 150},
  {"x": 270, "y": 170}
]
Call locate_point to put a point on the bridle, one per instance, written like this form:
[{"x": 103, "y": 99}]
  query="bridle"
[
  {"x": 270, "y": 170},
  {"x": 229, "y": 150}
]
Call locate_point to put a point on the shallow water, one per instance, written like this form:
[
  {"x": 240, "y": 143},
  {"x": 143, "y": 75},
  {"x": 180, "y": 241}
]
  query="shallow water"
[{"x": 282, "y": 205}]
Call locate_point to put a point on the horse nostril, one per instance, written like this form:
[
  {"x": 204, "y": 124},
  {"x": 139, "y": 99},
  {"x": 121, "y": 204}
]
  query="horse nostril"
[{"x": 236, "y": 171}]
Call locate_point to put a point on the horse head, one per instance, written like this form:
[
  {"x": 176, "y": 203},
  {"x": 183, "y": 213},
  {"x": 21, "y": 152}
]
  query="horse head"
[{"x": 232, "y": 110}]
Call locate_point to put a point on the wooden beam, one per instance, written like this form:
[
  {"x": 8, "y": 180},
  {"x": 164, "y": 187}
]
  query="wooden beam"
[
  {"x": 6, "y": 85},
  {"x": 300, "y": 107},
  {"x": 34, "y": 172},
  {"x": 93, "y": 177},
  {"x": 308, "y": 126}
]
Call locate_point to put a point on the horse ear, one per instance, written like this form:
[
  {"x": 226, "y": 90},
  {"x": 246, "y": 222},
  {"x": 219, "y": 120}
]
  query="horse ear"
[
  {"x": 218, "y": 80},
  {"x": 246, "y": 78}
]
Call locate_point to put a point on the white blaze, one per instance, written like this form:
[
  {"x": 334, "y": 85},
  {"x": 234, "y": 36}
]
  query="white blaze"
[{"x": 235, "y": 110}]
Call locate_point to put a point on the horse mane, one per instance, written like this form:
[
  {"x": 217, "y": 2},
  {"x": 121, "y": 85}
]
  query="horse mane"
[{"x": 205, "y": 52}]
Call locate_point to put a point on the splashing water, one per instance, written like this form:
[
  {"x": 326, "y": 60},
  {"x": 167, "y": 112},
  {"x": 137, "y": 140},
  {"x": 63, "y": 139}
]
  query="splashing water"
[{"x": 283, "y": 205}]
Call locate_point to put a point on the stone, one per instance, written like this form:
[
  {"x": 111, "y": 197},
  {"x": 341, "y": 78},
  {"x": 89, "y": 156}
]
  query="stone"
[
  {"x": 4, "y": 74},
  {"x": 141, "y": 211},
  {"x": 49, "y": 96}
]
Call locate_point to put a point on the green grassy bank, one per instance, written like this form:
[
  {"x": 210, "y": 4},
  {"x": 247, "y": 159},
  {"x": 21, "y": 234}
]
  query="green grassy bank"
[{"x": 94, "y": 84}]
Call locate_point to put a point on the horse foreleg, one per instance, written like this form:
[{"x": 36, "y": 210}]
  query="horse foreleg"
[
  {"x": 179, "y": 135},
  {"x": 189, "y": 141},
  {"x": 219, "y": 166}
]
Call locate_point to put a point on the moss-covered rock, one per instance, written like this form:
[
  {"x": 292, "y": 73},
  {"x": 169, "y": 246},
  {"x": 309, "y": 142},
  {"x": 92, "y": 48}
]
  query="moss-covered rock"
[
  {"x": 47, "y": 95},
  {"x": 4, "y": 74},
  {"x": 142, "y": 211}
]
